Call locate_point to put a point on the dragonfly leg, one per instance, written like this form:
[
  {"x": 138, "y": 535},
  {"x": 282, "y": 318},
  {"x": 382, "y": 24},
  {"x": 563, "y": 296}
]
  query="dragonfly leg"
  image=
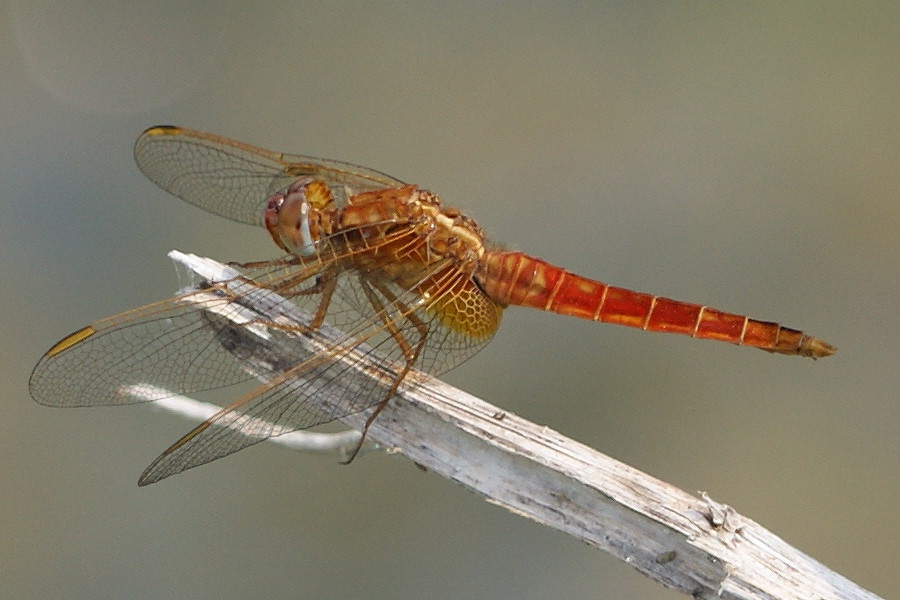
[
  {"x": 258, "y": 264},
  {"x": 390, "y": 394},
  {"x": 411, "y": 352},
  {"x": 325, "y": 285}
]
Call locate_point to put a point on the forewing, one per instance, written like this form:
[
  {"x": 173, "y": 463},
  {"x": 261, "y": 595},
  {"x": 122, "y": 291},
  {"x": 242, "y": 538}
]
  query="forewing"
[
  {"x": 233, "y": 179},
  {"x": 175, "y": 345}
]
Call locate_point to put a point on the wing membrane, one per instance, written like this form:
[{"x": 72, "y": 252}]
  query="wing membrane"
[
  {"x": 337, "y": 374},
  {"x": 169, "y": 344},
  {"x": 233, "y": 179},
  {"x": 233, "y": 330},
  {"x": 327, "y": 384},
  {"x": 267, "y": 322}
]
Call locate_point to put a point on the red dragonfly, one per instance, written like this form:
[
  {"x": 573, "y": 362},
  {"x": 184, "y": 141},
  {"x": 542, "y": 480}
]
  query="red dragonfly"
[{"x": 374, "y": 257}]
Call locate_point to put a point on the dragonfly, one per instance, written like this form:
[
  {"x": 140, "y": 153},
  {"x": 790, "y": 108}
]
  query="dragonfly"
[{"x": 380, "y": 260}]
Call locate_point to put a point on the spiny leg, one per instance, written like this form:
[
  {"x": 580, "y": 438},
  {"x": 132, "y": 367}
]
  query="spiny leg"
[
  {"x": 390, "y": 323},
  {"x": 324, "y": 285},
  {"x": 410, "y": 354}
]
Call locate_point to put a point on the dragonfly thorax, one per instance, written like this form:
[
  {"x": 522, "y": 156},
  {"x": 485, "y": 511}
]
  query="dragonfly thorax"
[
  {"x": 402, "y": 229},
  {"x": 410, "y": 225}
]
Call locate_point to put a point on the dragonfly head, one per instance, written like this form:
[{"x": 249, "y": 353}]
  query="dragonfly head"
[{"x": 294, "y": 217}]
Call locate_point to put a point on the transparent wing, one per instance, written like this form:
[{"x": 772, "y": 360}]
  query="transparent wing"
[
  {"x": 233, "y": 179},
  {"x": 173, "y": 344},
  {"x": 340, "y": 373},
  {"x": 233, "y": 330}
]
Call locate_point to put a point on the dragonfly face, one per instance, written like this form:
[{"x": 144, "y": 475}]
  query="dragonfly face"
[{"x": 300, "y": 217}]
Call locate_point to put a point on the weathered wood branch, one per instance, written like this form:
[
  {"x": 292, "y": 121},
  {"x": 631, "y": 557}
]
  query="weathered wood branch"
[{"x": 688, "y": 543}]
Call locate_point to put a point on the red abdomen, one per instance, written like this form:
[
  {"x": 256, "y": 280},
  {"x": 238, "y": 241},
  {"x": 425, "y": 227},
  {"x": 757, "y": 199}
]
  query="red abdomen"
[{"x": 519, "y": 279}]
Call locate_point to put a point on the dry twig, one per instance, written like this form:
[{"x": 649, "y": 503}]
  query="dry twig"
[{"x": 695, "y": 545}]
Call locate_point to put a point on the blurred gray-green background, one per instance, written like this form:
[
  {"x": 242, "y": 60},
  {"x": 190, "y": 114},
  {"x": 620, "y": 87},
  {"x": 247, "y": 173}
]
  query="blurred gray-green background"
[{"x": 743, "y": 156}]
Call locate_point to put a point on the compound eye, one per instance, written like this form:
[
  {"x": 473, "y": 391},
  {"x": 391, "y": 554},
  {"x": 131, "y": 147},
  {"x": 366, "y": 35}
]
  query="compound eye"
[
  {"x": 275, "y": 202},
  {"x": 290, "y": 215},
  {"x": 270, "y": 215}
]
